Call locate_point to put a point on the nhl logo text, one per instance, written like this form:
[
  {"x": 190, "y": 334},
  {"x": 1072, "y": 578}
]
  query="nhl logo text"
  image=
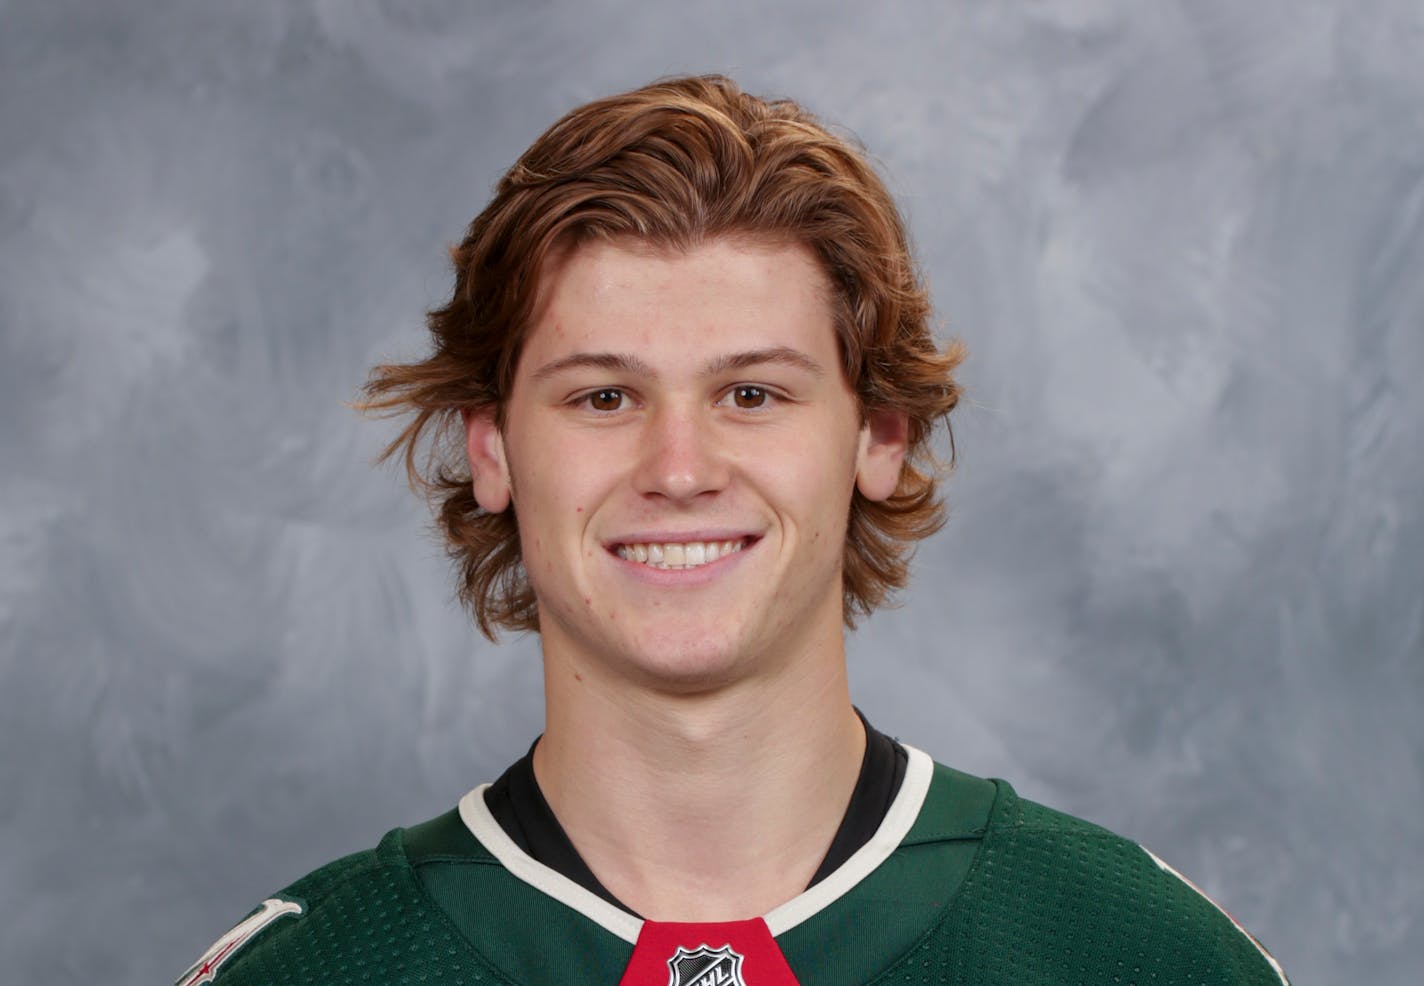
[{"x": 703, "y": 966}]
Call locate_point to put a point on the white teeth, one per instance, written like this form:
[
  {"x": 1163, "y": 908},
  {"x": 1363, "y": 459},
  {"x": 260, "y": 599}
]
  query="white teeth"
[{"x": 678, "y": 554}]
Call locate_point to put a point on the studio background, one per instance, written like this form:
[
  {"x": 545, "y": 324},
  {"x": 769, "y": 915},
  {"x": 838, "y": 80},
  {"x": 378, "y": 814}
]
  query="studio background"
[{"x": 1182, "y": 589}]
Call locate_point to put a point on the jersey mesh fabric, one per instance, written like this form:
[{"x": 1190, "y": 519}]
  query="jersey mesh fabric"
[
  {"x": 367, "y": 921},
  {"x": 1052, "y": 899},
  {"x": 1048, "y": 899}
]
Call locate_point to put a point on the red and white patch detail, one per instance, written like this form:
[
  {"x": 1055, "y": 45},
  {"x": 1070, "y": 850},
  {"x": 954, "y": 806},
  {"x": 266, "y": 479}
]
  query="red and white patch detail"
[
  {"x": 206, "y": 968},
  {"x": 1271, "y": 959}
]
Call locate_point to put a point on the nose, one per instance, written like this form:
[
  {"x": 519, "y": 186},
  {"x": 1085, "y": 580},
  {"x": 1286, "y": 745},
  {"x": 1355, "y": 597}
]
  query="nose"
[{"x": 681, "y": 455}]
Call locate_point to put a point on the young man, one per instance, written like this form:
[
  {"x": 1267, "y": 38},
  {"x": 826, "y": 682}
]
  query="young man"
[{"x": 690, "y": 382}]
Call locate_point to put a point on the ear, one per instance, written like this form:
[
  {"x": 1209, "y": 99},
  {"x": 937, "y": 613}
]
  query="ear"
[
  {"x": 881, "y": 454},
  {"x": 485, "y": 446}
]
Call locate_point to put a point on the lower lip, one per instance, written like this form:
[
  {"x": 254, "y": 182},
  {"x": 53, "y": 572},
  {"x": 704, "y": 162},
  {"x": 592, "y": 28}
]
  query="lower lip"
[{"x": 684, "y": 577}]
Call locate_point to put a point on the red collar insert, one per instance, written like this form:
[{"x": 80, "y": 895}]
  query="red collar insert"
[{"x": 726, "y": 953}]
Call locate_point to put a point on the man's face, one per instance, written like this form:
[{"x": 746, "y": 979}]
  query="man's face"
[{"x": 680, "y": 448}]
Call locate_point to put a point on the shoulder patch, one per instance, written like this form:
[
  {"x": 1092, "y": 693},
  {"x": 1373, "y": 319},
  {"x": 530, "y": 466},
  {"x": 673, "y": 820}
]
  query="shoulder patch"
[
  {"x": 1270, "y": 959},
  {"x": 206, "y": 968}
]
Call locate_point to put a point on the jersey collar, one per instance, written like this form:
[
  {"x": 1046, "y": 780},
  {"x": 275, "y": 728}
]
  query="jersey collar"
[{"x": 891, "y": 832}]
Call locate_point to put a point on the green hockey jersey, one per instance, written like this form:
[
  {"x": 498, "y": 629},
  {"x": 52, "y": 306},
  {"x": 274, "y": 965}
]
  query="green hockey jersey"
[{"x": 964, "y": 882}]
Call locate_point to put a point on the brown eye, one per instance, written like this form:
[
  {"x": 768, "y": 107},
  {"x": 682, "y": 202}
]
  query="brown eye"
[
  {"x": 749, "y": 397},
  {"x": 606, "y": 400}
]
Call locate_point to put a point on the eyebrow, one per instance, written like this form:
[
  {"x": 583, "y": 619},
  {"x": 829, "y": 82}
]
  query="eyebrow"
[
  {"x": 619, "y": 362},
  {"x": 635, "y": 366},
  {"x": 784, "y": 355}
]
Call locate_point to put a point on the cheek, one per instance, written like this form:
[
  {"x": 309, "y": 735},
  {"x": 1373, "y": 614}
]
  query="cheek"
[
  {"x": 813, "y": 482},
  {"x": 559, "y": 488},
  {"x": 541, "y": 471}
]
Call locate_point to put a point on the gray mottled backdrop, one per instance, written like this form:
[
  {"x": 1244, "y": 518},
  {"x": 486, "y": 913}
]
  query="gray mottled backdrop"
[{"x": 1183, "y": 586}]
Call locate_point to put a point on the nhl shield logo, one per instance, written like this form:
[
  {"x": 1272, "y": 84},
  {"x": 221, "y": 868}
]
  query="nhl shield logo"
[{"x": 703, "y": 966}]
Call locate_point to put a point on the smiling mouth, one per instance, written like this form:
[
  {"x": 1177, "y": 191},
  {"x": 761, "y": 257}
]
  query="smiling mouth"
[{"x": 680, "y": 554}]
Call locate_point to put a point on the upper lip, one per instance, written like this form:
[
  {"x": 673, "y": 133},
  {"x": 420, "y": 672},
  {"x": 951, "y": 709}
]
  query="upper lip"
[{"x": 680, "y": 537}]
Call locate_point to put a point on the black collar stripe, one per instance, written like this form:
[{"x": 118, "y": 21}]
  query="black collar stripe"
[{"x": 904, "y": 810}]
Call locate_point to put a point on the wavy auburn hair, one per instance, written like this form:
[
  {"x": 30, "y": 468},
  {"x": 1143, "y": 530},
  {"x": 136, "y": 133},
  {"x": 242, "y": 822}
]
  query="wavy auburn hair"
[{"x": 674, "y": 164}]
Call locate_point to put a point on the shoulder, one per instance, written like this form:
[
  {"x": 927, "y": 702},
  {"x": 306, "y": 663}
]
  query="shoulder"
[
  {"x": 337, "y": 919},
  {"x": 1078, "y": 890}
]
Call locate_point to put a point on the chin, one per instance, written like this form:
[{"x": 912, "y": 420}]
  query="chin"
[{"x": 687, "y": 664}]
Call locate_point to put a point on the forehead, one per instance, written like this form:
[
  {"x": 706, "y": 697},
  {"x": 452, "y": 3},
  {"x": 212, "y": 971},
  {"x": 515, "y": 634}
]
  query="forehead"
[{"x": 668, "y": 303}]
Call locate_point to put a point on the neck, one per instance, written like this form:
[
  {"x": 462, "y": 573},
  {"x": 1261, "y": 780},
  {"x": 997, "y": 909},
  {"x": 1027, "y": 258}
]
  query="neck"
[{"x": 709, "y": 807}]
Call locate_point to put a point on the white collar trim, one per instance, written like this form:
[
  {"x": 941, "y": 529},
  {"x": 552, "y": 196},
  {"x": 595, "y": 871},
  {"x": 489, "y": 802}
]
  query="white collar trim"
[
  {"x": 478, "y": 820},
  {"x": 887, "y": 838}
]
